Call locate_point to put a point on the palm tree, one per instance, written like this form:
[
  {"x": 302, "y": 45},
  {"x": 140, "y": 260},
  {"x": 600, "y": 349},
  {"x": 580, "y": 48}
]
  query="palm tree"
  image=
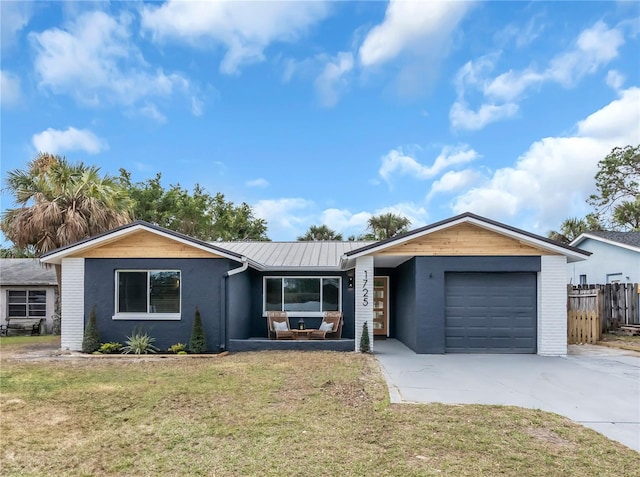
[
  {"x": 626, "y": 215},
  {"x": 572, "y": 228},
  {"x": 319, "y": 232},
  {"x": 61, "y": 203},
  {"x": 387, "y": 225}
]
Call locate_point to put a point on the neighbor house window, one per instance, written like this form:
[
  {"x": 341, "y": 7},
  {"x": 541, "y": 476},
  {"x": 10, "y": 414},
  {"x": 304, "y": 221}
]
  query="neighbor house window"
[
  {"x": 302, "y": 295},
  {"x": 27, "y": 303},
  {"x": 150, "y": 294},
  {"x": 583, "y": 279}
]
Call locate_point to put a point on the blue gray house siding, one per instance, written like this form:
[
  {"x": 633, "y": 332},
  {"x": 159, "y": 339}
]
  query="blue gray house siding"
[
  {"x": 403, "y": 303},
  {"x": 257, "y": 324},
  {"x": 201, "y": 282},
  {"x": 240, "y": 299},
  {"x": 608, "y": 263},
  {"x": 419, "y": 303}
]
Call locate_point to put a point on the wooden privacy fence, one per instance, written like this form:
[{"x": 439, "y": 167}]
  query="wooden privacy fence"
[
  {"x": 619, "y": 305},
  {"x": 613, "y": 305},
  {"x": 584, "y": 322}
]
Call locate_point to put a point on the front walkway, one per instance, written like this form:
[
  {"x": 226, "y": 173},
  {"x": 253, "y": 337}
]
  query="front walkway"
[{"x": 599, "y": 388}]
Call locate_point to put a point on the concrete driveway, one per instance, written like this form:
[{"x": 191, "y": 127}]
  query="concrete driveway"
[{"x": 594, "y": 386}]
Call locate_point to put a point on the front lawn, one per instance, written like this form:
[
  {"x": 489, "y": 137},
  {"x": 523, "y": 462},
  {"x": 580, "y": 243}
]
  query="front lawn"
[
  {"x": 25, "y": 341},
  {"x": 271, "y": 414}
]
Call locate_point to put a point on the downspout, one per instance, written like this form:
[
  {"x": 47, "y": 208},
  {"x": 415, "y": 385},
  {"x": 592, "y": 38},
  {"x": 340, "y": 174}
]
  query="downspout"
[{"x": 224, "y": 312}]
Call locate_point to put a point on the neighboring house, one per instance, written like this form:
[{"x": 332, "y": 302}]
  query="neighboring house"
[
  {"x": 615, "y": 258},
  {"x": 27, "y": 290},
  {"x": 467, "y": 284}
]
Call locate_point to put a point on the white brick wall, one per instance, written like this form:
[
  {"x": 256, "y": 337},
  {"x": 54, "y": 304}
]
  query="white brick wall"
[
  {"x": 364, "y": 298},
  {"x": 552, "y": 306},
  {"x": 72, "y": 324}
]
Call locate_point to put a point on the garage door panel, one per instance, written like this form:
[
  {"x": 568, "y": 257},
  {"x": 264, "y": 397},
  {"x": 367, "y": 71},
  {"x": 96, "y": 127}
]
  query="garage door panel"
[{"x": 490, "y": 313}]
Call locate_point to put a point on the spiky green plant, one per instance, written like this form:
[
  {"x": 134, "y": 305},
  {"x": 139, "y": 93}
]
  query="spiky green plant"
[{"x": 139, "y": 343}]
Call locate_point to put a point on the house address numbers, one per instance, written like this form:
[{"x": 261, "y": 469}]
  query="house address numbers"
[{"x": 365, "y": 289}]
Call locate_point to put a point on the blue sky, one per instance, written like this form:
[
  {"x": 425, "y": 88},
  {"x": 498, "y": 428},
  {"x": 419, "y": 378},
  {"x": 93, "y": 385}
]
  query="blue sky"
[{"x": 328, "y": 112}]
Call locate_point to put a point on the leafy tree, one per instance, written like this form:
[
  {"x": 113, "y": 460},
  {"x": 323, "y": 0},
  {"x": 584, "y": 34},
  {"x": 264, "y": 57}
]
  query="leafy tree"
[
  {"x": 618, "y": 184},
  {"x": 61, "y": 203},
  {"x": 91, "y": 339},
  {"x": 196, "y": 213},
  {"x": 198, "y": 340},
  {"x": 572, "y": 228},
  {"x": 320, "y": 232},
  {"x": 384, "y": 226},
  {"x": 15, "y": 252}
]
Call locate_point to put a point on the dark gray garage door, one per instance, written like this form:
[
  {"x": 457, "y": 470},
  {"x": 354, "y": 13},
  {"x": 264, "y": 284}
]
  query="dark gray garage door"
[{"x": 490, "y": 313}]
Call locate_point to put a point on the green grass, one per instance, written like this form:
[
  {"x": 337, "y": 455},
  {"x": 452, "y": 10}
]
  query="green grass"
[
  {"x": 22, "y": 340},
  {"x": 270, "y": 414}
]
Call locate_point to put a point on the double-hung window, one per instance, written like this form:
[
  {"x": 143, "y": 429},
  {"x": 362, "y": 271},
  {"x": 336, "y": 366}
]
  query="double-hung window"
[
  {"x": 148, "y": 294},
  {"x": 27, "y": 303},
  {"x": 304, "y": 296}
]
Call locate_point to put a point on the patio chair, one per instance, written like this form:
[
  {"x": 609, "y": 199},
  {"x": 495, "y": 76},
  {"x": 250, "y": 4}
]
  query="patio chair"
[
  {"x": 330, "y": 328},
  {"x": 278, "y": 325}
]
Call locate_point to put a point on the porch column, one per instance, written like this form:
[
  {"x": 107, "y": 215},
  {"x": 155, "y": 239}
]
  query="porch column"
[
  {"x": 364, "y": 298},
  {"x": 72, "y": 313}
]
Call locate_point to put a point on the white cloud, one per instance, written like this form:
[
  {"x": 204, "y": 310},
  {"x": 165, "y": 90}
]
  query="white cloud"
[
  {"x": 414, "y": 27},
  {"x": 395, "y": 162},
  {"x": 260, "y": 182},
  {"x": 618, "y": 122},
  {"x": 197, "y": 106},
  {"x": 285, "y": 217},
  {"x": 244, "y": 29},
  {"x": 454, "y": 181},
  {"x": 10, "y": 92},
  {"x": 416, "y": 213},
  {"x": 552, "y": 179},
  {"x": 512, "y": 84},
  {"x": 56, "y": 141},
  {"x": 462, "y": 117},
  {"x": 14, "y": 16},
  {"x": 345, "y": 222},
  {"x": 594, "y": 47},
  {"x": 520, "y": 35},
  {"x": 94, "y": 60},
  {"x": 615, "y": 79},
  {"x": 151, "y": 111},
  {"x": 331, "y": 81}
]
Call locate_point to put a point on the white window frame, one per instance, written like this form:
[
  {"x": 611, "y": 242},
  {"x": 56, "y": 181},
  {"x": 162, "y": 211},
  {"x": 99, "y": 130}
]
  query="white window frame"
[
  {"x": 301, "y": 314},
  {"x": 28, "y": 291},
  {"x": 148, "y": 315}
]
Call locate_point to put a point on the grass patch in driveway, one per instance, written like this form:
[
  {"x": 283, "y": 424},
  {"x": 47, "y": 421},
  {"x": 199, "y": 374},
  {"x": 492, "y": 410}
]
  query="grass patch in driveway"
[
  {"x": 623, "y": 341},
  {"x": 272, "y": 414}
]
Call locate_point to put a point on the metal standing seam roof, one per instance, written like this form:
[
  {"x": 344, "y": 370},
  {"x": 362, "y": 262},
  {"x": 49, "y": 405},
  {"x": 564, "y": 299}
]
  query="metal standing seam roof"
[
  {"x": 294, "y": 255},
  {"x": 25, "y": 272}
]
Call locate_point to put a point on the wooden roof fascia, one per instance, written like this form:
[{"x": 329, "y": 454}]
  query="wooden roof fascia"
[
  {"x": 114, "y": 235},
  {"x": 523, "y": 237}
]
